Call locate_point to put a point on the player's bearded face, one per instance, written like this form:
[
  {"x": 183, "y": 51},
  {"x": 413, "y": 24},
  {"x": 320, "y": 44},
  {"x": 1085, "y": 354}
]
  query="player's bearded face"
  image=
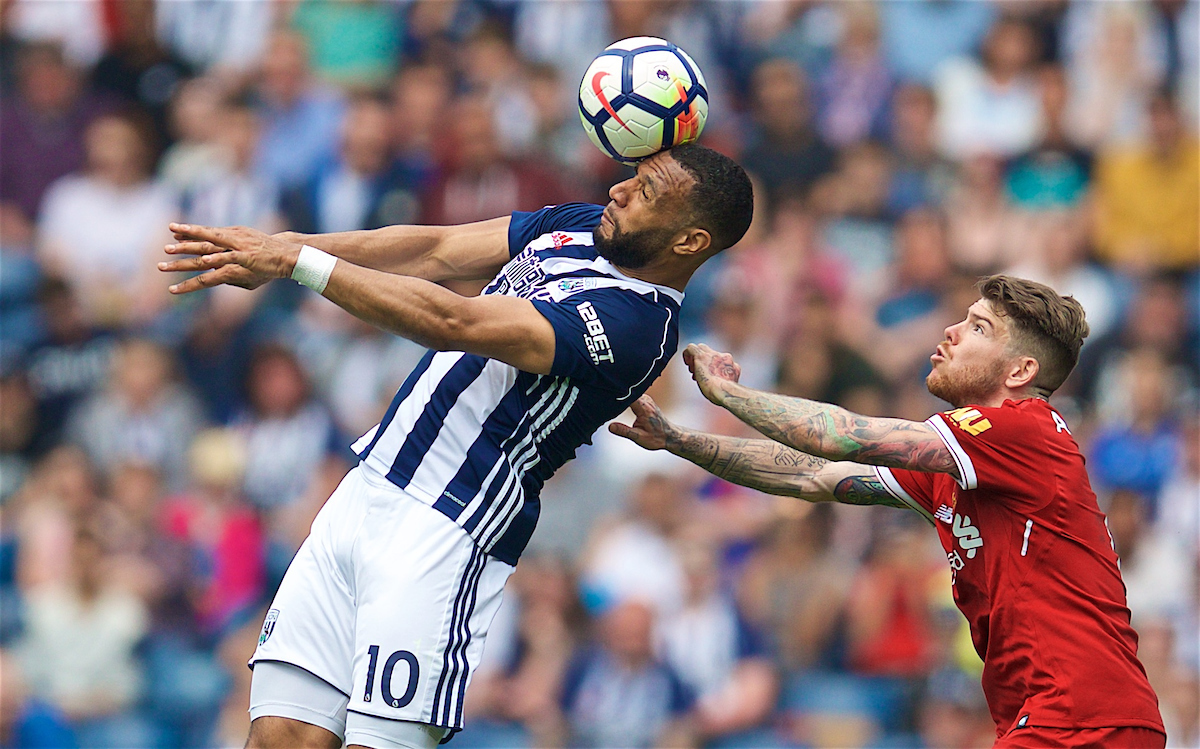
[
  {"x": 969, "y": 377},
  {"x": 631, "y": 249}
]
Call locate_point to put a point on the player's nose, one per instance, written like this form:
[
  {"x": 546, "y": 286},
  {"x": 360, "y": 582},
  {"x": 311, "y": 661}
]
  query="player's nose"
[{"x": 619, "y": 192}]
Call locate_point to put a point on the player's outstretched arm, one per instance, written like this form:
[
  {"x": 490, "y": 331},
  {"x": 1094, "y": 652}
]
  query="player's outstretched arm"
[
  {"x": 467, "y": 252},
  {"x": 816, "y": 428},
  {"x": 759, "y": 464},
  {"x": 499, "y": 327}
]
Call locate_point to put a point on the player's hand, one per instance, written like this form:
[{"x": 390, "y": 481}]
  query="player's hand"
[
  {"x": 650, "y": 428},
  {"x": 713, "y": 371},
  {"x": 235, "y": 256}
]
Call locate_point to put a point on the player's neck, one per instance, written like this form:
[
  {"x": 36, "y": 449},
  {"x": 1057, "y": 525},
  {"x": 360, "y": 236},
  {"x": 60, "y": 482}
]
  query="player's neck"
[
  {"x": 673, "y": 277},
  {"x": 998, "y": 398}
]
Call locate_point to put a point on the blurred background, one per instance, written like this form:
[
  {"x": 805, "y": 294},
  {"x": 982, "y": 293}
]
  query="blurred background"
[{"x": 161, "y": 459}]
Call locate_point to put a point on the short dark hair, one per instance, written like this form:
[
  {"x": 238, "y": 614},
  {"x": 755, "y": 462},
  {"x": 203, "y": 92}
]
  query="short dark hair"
[
  {"x": 722, "y": 198},
  {"x": 1042, "y": 324}
]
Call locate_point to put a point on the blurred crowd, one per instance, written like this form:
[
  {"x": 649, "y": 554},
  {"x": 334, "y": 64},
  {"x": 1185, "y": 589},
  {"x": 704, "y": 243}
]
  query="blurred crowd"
[{"x": 161, "y": 458}]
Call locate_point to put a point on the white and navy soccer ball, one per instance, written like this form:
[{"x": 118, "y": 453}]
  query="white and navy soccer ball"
[{"x": 642, "y": 95}]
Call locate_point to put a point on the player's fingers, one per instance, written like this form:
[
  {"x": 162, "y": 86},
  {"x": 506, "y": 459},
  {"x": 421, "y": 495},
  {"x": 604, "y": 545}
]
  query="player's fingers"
[
  {"x": 221, "y": 259},
  {"x": 183, "y": 265},
  {"x": 643, "y": 406},
  {"x": 222, "y": 237},
  {"x": 621, "y": 430},
  {"x": 195, "y": 283},
  {"x": 187, "y": 247}
]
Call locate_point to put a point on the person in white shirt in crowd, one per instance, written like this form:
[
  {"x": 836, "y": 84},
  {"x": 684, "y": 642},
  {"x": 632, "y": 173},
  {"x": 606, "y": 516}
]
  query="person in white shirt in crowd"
[{"x": 101, "y": 228}]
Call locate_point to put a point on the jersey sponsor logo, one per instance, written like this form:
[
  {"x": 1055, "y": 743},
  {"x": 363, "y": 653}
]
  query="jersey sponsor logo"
[
  {"x": 944, "y": 514},
  {"x": 967, "y": 534},
  {"x": 969, "y": 420},
  {"x": 522, "y": 275},
  {"x": 956, "y": 563},
  {"x": 268, "y": 626},
  {"x": 596, "y": 340}
]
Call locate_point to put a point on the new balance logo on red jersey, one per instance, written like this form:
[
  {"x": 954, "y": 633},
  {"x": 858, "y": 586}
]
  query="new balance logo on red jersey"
[
  {"x": 967, "y": 535},
  {"x": 944, "y": 513}
]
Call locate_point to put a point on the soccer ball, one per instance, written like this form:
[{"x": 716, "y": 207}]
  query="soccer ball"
[{"x": 642, "y": 95}]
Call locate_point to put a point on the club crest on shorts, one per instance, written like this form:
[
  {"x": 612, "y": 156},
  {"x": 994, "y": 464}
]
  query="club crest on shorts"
[{"x": 268, "y": 626}]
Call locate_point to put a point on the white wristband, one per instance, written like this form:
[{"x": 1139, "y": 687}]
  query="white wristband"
[{"x": 313, "y": 268}]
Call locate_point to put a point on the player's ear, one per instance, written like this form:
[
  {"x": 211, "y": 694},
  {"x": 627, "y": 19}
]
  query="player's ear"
[
  {"x": 1022, "y": 371},
  {"x": 692, "y": 242}
]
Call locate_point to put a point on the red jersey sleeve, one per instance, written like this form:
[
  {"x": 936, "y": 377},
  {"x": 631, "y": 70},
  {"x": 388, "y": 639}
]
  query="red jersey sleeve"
[
  {"x": 1001, "y": 450},
  {"x": 913, "y": 488}
]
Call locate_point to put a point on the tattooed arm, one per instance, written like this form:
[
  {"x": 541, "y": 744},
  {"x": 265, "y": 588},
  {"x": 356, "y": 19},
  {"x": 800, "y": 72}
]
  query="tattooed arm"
[
  {"x": 759, "y": 464},
  {"x": 820, "y": 429}
]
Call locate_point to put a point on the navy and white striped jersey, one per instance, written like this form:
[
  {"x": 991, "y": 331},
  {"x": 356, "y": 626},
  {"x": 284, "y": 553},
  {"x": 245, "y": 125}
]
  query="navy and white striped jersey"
[{"x": 476, "y": 438}]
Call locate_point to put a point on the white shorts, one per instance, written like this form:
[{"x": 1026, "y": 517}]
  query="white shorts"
[{"x": 388, "y": 601}]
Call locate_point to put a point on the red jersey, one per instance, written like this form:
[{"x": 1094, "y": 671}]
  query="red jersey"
[{"x": 1034, "y": 570}]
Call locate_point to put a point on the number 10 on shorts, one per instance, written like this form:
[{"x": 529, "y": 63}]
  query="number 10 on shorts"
[{"x": 385, "y": 680}]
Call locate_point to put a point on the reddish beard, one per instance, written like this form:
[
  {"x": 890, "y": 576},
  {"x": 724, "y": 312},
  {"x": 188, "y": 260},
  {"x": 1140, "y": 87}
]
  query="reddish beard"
[{"x": 964, "y": 385}]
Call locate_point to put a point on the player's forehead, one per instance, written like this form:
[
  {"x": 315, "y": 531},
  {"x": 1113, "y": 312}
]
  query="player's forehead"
[
  {"x": 982, "y": 311},
  {"x": 664, "y": 173}
]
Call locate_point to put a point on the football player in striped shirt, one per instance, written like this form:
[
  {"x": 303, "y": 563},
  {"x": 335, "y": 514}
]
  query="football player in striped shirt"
[{"x": 383, "y": 613}]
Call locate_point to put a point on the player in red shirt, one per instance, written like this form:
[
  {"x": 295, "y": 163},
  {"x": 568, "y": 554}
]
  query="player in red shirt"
[{"x": 1002, "y": 480}]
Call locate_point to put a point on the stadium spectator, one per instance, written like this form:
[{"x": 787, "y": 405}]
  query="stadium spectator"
[
  {"x": 42, "y": 125},
  {"x": 27, "y": 722},
  {"x": 353, "y": 44},
  {"x": 784, "y": 152},
  {"x": 143, "y": 416},
  {"x": 101, "y": 229},
  {"x": 794, "y": 588},
  {"x": 990, "y": 105},
  {"x": 78, "y": 650},
  {"x": 1116, "y": 56},
  {"x": 917, "y": 37},
  {"x": 1147, "y": 196},
  {"x": 721, "y": 659},
  {"x": 231, "y": 193},
  {"x": 858, "y": 230},
  {"x": 853, "y": 91},
  {"x": 286, "y": 433},
  {"x": 619, "y": 694},
  {"x": 194, "y": 118},
  {"x": 137, "y": 68},
  {"x": 420, "y": 96},
  {"x": 636, "y": 557},
  {"x": 78, "y": 28},
  {"x": 920, "y": 175},
  {"x": 225, "y": 39},
  {"x": 300, "y": 116},
  {"x": 70, "y": 362},
  {"x": 888, "y": 610},
  {"x": 18, "y": 433},
  {"x": 142, "y": 557},
  {"x": 984, "y": 229},
  {"x": 1058, "y": 256},
  {"x": 1137, "y": 449},
  {"x": 1056, "y": 171},
  {"x": 1159, "y": 581},
  {"x": 19, "y": 284},
  {"x": 479, "y": 182},
  {"x": 530, "y": 645},
  {"x": 1178, "y": 512},
  {"x": 363, "y": 187},
  {"x": 221, "y": 530}
]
